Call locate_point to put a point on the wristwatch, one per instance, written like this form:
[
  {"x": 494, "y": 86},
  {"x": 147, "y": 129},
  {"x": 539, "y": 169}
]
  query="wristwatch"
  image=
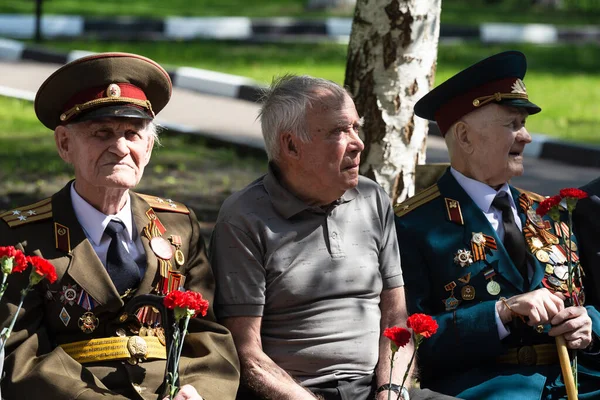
[{"x": 401, "y": 390}]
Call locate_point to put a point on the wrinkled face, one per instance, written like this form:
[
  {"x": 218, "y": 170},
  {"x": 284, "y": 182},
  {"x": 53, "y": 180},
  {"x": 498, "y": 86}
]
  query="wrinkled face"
[
  {"x": 107, "y": 153},
  {"x": 331, "y": 159},
  {"x": 498, "y": 142}
]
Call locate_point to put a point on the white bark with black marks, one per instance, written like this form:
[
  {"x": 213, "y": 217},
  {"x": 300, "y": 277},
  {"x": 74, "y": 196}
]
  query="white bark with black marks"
[{"x": 391, "y": 64}]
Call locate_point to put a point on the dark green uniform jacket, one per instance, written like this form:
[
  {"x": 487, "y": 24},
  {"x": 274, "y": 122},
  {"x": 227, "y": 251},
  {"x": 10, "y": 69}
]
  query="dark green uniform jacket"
[
  {"x": 37, "y": 369},
  {"x": 461, "y": 359}
]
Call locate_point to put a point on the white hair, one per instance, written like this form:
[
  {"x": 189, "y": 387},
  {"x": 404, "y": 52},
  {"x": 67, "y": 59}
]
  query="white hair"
[{"x": 284, "y": 107}]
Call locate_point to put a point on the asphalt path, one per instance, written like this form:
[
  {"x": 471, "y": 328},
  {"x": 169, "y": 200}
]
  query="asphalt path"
[{"x": 235, "y": 121}]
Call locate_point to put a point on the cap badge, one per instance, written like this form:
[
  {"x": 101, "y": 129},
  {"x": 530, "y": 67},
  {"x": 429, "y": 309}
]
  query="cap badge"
[
  {"x": 113, "y": 90},
  {"x": 519, "y": 87}
]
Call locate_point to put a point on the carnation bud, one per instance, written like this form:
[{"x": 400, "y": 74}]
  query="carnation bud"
[{"x": 6, "y": 264}]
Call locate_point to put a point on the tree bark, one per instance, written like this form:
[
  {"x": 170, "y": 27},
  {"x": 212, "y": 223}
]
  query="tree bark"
[{"x": 391, "y": 64}]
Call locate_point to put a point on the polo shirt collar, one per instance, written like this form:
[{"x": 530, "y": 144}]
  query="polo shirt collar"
[
  {"x": 286, "y": 203},
  {"x": 94, "y": 222}
]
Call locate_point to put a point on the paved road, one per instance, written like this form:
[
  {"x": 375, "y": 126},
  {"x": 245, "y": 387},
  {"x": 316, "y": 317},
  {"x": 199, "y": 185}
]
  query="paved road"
[{"x": 236, "y": 121}]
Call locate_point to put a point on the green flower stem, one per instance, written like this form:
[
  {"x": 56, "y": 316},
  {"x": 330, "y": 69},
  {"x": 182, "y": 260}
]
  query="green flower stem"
[
  {"x": 391, "y": 369},
  {"x": 417, "y": 339},
  {"x": 570, "y": 208},
  {"x": 7, "y": 331},
  {"x": 4, "y": 285},
  {"x": 179, "y": 338}
]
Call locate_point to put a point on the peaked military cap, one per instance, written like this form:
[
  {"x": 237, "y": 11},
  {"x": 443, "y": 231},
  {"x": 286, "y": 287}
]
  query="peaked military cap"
[
  {"x": 105, "y": 85},
  {"x": 496, "y": 79}
]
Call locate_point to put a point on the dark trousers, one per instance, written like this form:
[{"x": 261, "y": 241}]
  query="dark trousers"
[{"x": 358, "y": 389}]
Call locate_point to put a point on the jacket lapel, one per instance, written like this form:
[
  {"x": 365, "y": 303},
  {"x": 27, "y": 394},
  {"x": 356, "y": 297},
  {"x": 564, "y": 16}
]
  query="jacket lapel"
[
  {"x": 139, "y": 207},
  {"x": 81, "y": 263},
  {"x": 476, "y": 221}
]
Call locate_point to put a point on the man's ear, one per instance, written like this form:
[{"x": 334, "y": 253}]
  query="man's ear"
[
  {"x": 288, "y": 143},
  {"x": 463, "y": 136},
  {"x": 63, "y": 141}
]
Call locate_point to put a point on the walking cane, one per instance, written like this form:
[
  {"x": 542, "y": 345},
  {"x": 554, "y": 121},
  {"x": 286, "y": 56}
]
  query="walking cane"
[{"x": 565, "y": 366}]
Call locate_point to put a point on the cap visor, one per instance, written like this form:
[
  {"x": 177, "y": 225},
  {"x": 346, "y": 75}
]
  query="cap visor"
[
  {"x": 118, "y": 111},
  {"x": 521, "y": 103}
]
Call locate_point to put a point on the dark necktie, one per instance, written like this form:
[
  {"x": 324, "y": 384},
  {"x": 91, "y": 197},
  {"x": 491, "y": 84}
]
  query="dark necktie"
[
  {"x": 121, "y": 266},
  {"x": 514, "y": 242}
]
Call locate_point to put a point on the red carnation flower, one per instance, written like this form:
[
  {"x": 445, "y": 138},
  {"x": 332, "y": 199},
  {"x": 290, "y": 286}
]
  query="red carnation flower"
[
  {"x": 399, "y": 336},
  {"x": 546, "y": 205},
  {"x": 422, "y": 324},
  {"x": 19, "y": 263},
  {"x": 573, "y": 193},
  {"x": 43, "y": 268},
  {"x": 188, "y": 300}
]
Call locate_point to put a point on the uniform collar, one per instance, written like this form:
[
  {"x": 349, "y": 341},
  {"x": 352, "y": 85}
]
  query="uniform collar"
[
  {"x": 482, "y": 194},
  {"x": 287, "y": 204},
  {"x": 94, "y": 222}
]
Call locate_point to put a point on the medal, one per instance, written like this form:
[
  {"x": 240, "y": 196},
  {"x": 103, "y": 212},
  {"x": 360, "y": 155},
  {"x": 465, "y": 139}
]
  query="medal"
[
  {"x": 161, "y": 248},
  {"x": 542, "y": 255},
  {"x": 535, "y": 219},
  {"x": 463, "y": 258},
  {"x": 492, "y": 286},
  {"x": 176, "y": 241},
  {"x": 561, "y": 272},
  {"x": 88, "y": 322},
  {"x": 69, "y": 294},
  {"x": 554, "y": 281},
  {"x": 64, "y": 316},
  {"x": 549, "y": 269},
  {"x": 468, "y": 292},
  {"x": 536, "y": 243},
  {"x": 451, "y": 303}
]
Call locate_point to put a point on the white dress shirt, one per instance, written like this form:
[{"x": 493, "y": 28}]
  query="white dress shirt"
[{"x": 94, "y": 223}]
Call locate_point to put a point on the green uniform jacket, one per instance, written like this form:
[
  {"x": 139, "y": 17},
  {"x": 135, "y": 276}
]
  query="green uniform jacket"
[
  {"x": 37, "y": 369},
  {"x": 460, "y": 359}
]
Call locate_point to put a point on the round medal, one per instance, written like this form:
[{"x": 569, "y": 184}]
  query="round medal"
[
  {"x": 137, "y": 347},
  {"x": 493, "y": 288},
  {"x": 179, "y": 258},
  {"x": 554, "y": 281},
  {"x": 549, "y": 269},
  {"x": 572, "y": 245},
  {"x": 161, "y": 248},
  {"x": 542, "y": 255},
  {"x": 478, "y": 238},
  {"x": 467, "y": 292},
  {"x": 561, "y": 272},
  {"x": 535, "y": 219}
]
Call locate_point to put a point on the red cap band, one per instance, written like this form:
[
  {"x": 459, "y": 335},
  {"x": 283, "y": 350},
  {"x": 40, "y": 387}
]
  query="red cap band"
[
  {"x": 461, "y": 105},
  {"x": 126, "y": 90}
]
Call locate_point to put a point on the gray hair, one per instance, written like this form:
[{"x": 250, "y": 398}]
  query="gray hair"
[{"x": 284, "y": 107}]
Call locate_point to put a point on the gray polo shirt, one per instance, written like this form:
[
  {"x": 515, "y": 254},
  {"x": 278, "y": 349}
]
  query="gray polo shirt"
[{"x": 314, "y": 275}]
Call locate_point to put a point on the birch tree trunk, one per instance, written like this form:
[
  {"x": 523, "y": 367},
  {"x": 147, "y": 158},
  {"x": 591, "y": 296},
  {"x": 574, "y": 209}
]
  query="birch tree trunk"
[{"x": 391, "y": 64}]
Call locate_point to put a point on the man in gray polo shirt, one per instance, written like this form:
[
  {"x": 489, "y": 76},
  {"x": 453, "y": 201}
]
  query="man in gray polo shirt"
[{"x": 306, "y": 257}]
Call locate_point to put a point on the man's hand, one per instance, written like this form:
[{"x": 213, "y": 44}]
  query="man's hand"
[
  {"x": 539, "y": 307},
  {"x": 576, "y": 326},
  {"x": 187, "y": 392}
]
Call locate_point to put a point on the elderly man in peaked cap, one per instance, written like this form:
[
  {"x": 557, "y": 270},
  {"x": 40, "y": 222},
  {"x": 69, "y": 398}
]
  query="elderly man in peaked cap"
[
  {"x": 111, "y": 248},
  {"x": 477, "y": 257}
]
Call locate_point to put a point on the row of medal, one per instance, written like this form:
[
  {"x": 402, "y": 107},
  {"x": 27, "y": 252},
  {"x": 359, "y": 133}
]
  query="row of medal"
[
  {"x": 546, "y": 247},
  {"x": 170, "y": 279}
]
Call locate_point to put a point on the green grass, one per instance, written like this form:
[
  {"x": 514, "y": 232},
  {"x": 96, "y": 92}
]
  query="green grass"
[
  {"x": 563, "y": 80},
  {"x": 455, "y": 12}
]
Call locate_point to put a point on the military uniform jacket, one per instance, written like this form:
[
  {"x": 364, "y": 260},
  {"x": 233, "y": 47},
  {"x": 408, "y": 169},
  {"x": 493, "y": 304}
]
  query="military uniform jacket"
[
  {"x": 460, "y": 359},
  {"x": 37, "y": 369}
]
